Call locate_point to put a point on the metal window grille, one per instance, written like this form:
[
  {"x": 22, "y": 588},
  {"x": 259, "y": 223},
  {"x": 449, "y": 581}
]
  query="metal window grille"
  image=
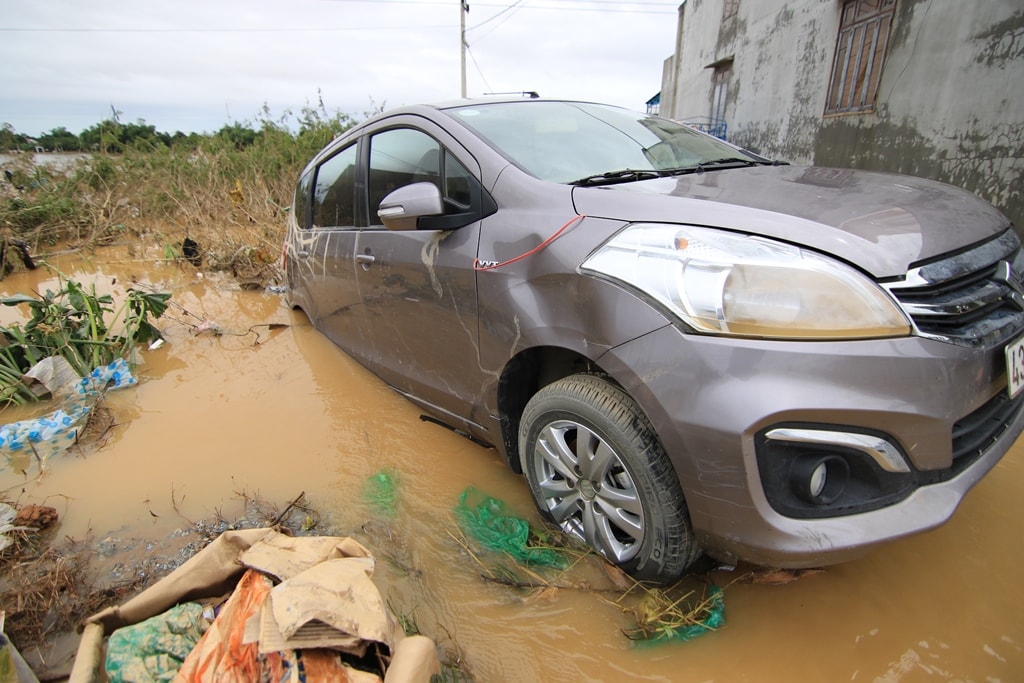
[
  {"x": 719, "y": 93},
  {"x": 860, "y": 54}
]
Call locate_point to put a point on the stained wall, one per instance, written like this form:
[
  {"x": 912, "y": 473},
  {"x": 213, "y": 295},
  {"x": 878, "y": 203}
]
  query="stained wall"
[{"x": 949, "y": 106}]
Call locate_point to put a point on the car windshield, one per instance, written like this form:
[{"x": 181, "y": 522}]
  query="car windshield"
[{"x": 571, "y": 142}]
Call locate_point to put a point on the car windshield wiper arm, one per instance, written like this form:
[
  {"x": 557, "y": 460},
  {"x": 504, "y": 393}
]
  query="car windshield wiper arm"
[
  {"x": 625, "y": 175},
  {"x": 727, "y": 161},
  {"x": 730, "y": 160},
  {"x": 714, "y": 164},
  {"x": 628, "y": 175}
]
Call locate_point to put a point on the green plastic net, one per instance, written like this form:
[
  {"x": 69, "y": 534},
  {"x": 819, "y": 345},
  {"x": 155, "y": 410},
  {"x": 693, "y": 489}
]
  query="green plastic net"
[
  {"x": 381, "y": 492},
  {"x": 708, "y": 615},
  {"x": 714, "y": 620},
  {"x": 486, "y": 519}
]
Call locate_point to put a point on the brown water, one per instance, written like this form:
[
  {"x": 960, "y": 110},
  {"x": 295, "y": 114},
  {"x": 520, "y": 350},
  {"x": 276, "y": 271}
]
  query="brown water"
[{"x": 287, "y": 412}]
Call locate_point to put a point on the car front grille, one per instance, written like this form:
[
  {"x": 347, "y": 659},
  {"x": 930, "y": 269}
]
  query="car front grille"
[{"x": 974, "y": 298}]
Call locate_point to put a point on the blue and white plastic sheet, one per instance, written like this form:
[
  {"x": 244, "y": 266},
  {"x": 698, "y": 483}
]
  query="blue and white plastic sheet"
[{"x": 51, "y": 434}]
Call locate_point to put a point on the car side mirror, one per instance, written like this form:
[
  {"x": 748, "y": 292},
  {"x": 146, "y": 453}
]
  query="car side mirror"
[{"x": 400, "y": 208}]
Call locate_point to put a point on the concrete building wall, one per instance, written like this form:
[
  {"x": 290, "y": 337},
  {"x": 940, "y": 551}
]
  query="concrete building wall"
[{"x": 949, "y": 106}]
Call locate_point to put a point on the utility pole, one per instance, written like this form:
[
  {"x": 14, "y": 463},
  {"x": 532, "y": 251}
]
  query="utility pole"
[{"x": 463, "y": 9}]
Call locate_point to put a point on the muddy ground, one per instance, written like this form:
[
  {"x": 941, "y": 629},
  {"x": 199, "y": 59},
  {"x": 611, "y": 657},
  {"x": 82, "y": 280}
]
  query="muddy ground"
[{"x": 247, "y": 401}]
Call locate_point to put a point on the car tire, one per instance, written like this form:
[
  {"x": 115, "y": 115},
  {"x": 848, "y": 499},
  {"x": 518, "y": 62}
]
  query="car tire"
[{"x": 615, "y": 489}]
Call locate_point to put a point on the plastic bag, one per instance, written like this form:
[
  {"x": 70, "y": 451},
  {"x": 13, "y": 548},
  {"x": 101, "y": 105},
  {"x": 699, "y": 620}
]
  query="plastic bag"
[{"x": 154, "y": 650}]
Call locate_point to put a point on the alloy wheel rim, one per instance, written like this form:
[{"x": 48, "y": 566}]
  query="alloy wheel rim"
[{"x": 586, "y": 488}]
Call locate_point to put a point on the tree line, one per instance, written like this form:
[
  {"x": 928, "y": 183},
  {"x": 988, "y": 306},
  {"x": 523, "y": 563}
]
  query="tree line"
[
  {"x": 108, "y": 136},
  {"x": 112, "y": 135}
]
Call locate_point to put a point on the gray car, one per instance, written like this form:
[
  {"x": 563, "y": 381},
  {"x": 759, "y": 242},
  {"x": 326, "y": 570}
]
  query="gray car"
[{"x": 684, "y": 347}]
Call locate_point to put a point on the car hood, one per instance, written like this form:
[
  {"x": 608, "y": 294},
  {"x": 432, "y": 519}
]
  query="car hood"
[{"x": 880, "y": 222}]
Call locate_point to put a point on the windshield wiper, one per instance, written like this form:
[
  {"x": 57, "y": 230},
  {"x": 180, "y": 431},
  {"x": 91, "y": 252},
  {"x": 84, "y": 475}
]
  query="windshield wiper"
[
  {"x": 626, "y": 175},
  {"x": 714, "y": 165},
  {"x": 728, "y": 161}
]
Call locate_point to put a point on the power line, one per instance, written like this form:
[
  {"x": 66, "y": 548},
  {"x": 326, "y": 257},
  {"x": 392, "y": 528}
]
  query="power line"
[
  {"x": 599, "y": 5},
  {"x": 510, "y": 8},
  {"x": 319, "y": 29},
  {"x": 478, "y": 69},
  {"x": 602, "y": 6},
  {"x": 507, "y": 13}
]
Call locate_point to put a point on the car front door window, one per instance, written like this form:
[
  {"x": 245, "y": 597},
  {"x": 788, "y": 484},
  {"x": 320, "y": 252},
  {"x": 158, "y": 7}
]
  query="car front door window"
[{"x": 401, "y": 157}]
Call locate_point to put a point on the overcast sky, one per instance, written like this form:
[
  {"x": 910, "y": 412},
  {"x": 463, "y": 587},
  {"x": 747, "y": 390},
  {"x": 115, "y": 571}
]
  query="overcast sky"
[{"x": 195, "y": 65}]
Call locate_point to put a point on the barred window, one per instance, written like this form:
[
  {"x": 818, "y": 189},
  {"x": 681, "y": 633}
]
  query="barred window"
[
  {"x": 860, "y": 54},
  {"x": 720, "y": 91}
]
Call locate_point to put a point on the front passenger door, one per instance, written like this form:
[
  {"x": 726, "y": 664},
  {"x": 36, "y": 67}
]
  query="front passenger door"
[{"x": 418, "y": 287}]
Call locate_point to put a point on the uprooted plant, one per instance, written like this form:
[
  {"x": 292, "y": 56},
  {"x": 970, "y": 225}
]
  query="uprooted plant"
[{"x": 78, "y": 324}]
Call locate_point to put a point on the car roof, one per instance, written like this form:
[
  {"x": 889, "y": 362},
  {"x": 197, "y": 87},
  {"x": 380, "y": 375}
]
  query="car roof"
[
  {"x": 441, "y": 106},
  {"x": 471, "y": 101}
]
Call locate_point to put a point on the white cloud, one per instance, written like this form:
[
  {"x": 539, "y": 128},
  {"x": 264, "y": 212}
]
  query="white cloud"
[{"x": 196, "y": 65}]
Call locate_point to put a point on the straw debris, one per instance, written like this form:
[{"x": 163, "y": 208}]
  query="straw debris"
[
  {"x": 676, "y": 612},
  {"x": 48, "y": 587}
]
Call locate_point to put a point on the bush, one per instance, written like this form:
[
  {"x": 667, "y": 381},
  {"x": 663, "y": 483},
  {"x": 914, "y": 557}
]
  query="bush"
[{"x": 227, "y": 190}]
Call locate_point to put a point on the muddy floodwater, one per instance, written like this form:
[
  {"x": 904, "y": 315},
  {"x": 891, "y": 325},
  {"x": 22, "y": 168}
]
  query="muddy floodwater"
[{"x": 269, "y": 407}]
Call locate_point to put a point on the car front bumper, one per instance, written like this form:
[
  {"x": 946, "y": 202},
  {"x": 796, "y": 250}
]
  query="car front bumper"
[{"x": 713, "y": 399}]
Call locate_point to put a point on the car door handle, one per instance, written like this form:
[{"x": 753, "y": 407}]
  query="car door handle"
[{"x": 365, "y": 259}]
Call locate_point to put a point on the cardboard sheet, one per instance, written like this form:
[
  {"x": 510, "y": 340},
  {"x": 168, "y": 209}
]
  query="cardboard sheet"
[{"x": 325, "y": 598}]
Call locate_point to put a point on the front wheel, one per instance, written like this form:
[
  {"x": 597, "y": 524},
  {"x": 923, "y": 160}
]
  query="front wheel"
[{"x": 597, "y": 469}]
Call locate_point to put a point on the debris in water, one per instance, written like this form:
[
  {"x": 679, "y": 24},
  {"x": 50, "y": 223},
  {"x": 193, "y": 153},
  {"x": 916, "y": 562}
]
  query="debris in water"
[
  {"x": 190, "y": 250},
  {"x": 778, "y": 577},
  {"x": 664, "y": 615},
  {"x": 381, "y": 491},
  {"x": 487, "y": 520}
]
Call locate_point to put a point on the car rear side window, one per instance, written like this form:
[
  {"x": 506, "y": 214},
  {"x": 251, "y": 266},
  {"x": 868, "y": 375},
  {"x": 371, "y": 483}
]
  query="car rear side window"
[
  {"x": 300, "y": 205},
  {"x": 334, "y": 192}
]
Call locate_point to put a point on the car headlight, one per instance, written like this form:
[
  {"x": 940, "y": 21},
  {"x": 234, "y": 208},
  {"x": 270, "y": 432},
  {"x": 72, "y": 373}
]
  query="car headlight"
[{"x": 728, "y": 283}]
